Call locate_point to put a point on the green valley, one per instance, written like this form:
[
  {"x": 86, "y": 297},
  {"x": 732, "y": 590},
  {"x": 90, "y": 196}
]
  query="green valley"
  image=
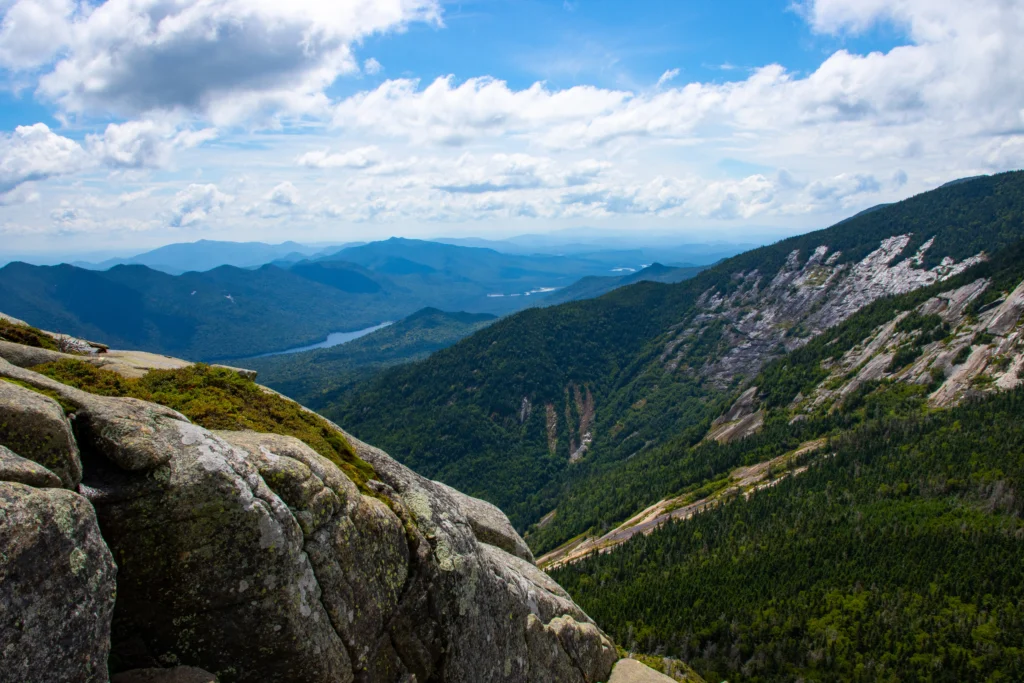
[{"x": 317, "y": 378}]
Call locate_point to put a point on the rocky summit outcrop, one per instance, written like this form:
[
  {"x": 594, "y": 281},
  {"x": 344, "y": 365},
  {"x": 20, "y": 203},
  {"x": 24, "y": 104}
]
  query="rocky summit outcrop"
[{"x": 252, "y": 557}]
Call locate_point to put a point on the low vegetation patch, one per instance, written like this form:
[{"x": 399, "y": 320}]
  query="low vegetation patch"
[
  {"x": 28, "y": 336},
  {"x": 218, "y": 398},
  {"x": 67, "y": 407}
]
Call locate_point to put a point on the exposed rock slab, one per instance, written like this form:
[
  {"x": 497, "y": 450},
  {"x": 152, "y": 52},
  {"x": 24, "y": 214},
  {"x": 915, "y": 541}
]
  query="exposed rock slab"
[
  {"x": 35, "y": 427},
  {"x": 29, "y": 356},
  {"x": 765, "y": 318},
  {"x": 738, "y": 430},
  {"x": 1005, "y": 318},
  {"x": 14, "y": 468},
  {"x": 632, "y": 671},
  {"x": 134, "y": 364},
  {"x": 58, "y": 588}
]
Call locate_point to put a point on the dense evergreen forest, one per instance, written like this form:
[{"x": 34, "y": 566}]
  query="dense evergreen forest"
[
  {"x": 897, "y": 556},
  {"x": 460, "y": 415}
]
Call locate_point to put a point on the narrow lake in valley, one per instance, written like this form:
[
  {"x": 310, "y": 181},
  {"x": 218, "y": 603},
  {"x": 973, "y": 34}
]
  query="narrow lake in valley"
[{"x": 333, "y": 339}]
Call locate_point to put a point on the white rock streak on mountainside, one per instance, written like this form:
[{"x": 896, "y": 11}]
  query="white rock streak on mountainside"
[{"x": 764, "y": 319}]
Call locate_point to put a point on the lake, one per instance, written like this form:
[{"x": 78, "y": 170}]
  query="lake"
[{"x": 333, "y": 339}]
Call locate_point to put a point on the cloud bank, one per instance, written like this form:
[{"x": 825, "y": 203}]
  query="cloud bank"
[{"x": 241, "y": 89}]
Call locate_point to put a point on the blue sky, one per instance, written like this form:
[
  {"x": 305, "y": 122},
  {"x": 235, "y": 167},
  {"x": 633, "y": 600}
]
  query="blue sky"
[
  {"x": 613, "y": 44},
  {"x": 325, "y": 121}
]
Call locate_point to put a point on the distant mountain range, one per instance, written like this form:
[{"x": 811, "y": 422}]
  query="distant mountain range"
[
  {"x": 594, "y": 286},
  {"x": 647, "y": 248},
  {"x": 612, "y": 248},
  {"x": 204, "y": 255},
  {"x": 232, "y": 311}
]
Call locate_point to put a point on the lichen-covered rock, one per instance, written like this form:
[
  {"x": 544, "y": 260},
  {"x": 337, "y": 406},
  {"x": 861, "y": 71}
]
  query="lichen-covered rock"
[
  {"x": 35, "y": 427},
  {"x": 136, "y": 435},
  {"x": 17, "y": 469},
  {"x": 57, "y": 597},
  {"x": 212, "y": 567},
  {"x": 490, "y": 524},
  {"x": 487, "y": 604},
  {"x": 178, "y": 674},
  {"x": 386, "y": 589}
]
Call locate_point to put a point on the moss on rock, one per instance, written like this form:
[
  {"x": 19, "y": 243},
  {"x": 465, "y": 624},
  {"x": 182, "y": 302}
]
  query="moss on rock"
[{"x": 219, "y": 398}]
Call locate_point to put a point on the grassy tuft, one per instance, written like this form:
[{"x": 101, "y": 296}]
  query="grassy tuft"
[{"x": 217, "y": 398}]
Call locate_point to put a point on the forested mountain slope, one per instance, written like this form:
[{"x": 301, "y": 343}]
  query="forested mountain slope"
[
  {"x": 227, "y": 312},
  {"x": 536, "y": 411},
  {"x": 904, "y": 355},
  {"x": 883, "y": 541},
  {"x": 897, "y": 555}
]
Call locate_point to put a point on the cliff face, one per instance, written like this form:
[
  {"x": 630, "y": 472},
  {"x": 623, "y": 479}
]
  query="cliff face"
[
  {"x": 764, "y": 318},
  {"x": 253, "y": 556}
]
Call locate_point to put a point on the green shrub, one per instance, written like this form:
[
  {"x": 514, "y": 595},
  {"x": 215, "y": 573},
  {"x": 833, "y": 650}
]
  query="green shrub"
[
  {"x": 962, "y": 355},
  {"x": 23, "y": 334},
  {"x": 905, "y": 355}
]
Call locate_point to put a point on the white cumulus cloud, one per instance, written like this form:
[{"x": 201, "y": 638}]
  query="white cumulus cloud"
[
  {"x": 197, "y": 203},
  {"x": 227, "y": 59},
  {"x": 362, "y": 157},
  {"x": 33, "y": 153},
  {"x": 32, "y": 32},
  {"x": 143, "y": 144}
]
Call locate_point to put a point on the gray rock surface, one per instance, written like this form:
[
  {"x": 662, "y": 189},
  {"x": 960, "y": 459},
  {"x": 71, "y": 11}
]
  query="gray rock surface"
[
  {"x": 136, "y": 435},
  {"x": 212, "y": 568},
  {"x": 490, "y": 524},
  {"x": 179, "y": 674},
  {"x": 35, "y": 427},
  {"x": 1005, "y": 318},
  {"x": 57, "y": 596},
  {"x": 17, "y": 469},
  {"x": 763, "y": 318},
  {"x": 28, "y": 356},
  {"x": 632, "y": 671},
  {"x": 502, "y": 619}
]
